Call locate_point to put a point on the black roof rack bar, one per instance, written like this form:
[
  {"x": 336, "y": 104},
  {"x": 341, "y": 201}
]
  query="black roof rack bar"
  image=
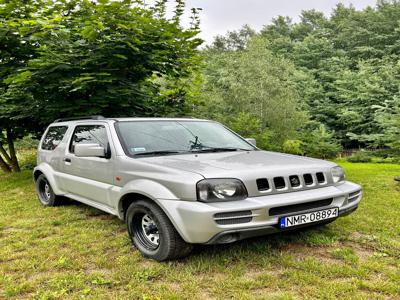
[{"x": 79, "y": 118}]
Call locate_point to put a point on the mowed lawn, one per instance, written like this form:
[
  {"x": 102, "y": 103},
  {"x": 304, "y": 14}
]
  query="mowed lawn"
[{"x": 73, "y": 252}]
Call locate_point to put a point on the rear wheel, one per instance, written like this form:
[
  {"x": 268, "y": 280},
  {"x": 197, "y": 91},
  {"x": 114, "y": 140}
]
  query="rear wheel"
[
  {"x": 153, "y": 234},
  {"x": 45, "y": 192}
]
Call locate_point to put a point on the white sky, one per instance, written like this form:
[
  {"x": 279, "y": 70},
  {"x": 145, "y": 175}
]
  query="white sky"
[{"x": 219, "y": 16}]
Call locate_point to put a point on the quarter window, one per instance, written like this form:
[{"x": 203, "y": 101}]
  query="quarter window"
[
  {"x": 89, "y": 134},
  {"x": 53, "y": 137}
]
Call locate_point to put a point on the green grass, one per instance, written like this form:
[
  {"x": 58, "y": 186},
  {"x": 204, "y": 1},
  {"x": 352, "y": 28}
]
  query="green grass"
[{"x": 75, "y": 252}]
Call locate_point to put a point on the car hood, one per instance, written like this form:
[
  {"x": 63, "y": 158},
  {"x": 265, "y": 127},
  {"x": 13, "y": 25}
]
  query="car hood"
[{"x": 241, "y": 164}]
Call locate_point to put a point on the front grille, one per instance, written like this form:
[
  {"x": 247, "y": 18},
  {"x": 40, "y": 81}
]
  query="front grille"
[
  {"x": 291, "y": 182},
  {"x": 279, "y": 183},
  {"x": 236, "y": 217},
  {"x": 308, "y": 180},
  {"x": 262, "y": 184},
  {"x": 320, "y": 177},
  {"x": 280, "y": 210},
  {"x": 294, "y": 180}
]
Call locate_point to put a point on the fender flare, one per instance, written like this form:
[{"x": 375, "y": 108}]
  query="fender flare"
[
  {"x": 151, "y": 190},
  {"x": 48, "y": 171},
  {"x": 148, "y": 188}
]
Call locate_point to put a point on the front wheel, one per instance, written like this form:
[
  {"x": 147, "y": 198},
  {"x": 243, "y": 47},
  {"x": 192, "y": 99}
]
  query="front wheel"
[
  {"x": 45, "y": 192},
  {"x": 153, "y": 234}
]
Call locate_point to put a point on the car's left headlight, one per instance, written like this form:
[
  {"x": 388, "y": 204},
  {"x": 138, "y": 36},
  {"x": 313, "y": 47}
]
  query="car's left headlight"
[
  {"x": 338, "y": 174},
  {"x": 218, "y": 190}
]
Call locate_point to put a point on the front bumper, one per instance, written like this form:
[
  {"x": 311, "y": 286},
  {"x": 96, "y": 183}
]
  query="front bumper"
[{"x": 196, "y": 221}]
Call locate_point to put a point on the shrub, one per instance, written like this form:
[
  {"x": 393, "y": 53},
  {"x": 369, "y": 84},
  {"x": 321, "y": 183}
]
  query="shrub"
[
  {"x": 249, "y": 126},
  {"x": 319, "y": 142},
  {"x": 360, "y": 157},
  {"x": 378, "y": 156},
  {"x": 293, "y": 147}
]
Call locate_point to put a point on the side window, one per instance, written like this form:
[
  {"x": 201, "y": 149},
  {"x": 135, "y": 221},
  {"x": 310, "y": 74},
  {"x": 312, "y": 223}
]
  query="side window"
[
  {"x": 89, "y": 134},
  {"x": 53, "y": 137}
]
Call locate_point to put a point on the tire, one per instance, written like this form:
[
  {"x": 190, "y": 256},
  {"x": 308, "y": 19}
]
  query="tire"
[
  {"x": 45, "y": 192},
  {"x": 153, "y": 234}
]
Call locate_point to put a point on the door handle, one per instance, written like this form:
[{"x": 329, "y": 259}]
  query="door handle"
[{"x": 67, "y": 159}]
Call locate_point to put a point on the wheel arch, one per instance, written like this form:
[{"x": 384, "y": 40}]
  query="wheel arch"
[
  {"x": 36, "y": 174},
  {"x": 47, "y": 171},
  {"x": 127, "y": 199}
]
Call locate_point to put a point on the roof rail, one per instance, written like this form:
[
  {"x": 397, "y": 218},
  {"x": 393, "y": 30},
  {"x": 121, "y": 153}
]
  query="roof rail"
[{"x": 79, "y": 118}]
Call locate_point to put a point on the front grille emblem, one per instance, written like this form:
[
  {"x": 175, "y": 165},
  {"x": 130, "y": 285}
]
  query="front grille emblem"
[{"x": 294, "y": 181}]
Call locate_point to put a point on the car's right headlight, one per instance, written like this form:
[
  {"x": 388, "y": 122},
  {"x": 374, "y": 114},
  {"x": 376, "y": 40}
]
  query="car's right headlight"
[
  {"x": 338, "y": 174},
  {"x": 219, "y": 190}
]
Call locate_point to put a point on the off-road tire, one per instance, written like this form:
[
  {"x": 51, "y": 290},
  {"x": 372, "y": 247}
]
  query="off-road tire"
[
  {"x": 170, "y": 244},
  {"x": 46, "y": 194}
]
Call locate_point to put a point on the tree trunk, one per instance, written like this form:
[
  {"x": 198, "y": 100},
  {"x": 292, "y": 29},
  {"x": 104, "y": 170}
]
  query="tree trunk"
[
  {"x": 6, "y": 157},
  {"x": 4, "y": 166},
  {"x": 11, "y": 150}
]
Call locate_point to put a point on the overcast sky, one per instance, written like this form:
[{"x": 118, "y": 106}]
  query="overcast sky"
[{"x": 219, "y": 16}]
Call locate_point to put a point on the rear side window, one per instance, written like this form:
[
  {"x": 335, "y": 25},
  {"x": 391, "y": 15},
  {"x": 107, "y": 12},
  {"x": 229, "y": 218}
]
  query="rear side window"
[
  {"x": 89, "y": 134},
  {"x": 53, "y": 137}
]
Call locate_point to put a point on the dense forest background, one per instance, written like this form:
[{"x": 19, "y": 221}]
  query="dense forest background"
[{"x": 313, "y": 88}]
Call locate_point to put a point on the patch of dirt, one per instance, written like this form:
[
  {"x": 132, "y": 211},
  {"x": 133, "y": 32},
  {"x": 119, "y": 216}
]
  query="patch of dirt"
[
  {"x": 101, "y": 216},
  {"x": 323, "y": 253},
  {"x": 146, "y": 263},
  {"x": 205, "y": 294},
  {"x": 358, "y": 236},
  {"x": 301, "y": 252},
  {"x": 256, "y": 272},
  {"x": 97, "y": 271},
  {"x": 175, "y": 286},
  {"x": 363, "y": 253},
  {"x": 268, "y": 293},
  {"x": 10, "y": 229}
]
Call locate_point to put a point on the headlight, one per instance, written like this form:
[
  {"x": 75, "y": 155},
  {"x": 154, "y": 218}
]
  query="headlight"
[
  {"x": 338, "y": 174},
  {"x": 218, "y": 190}
]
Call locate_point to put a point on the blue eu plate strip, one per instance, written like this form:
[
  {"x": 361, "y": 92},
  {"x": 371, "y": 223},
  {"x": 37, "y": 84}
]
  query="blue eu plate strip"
[{"x": 282, "y": 223}]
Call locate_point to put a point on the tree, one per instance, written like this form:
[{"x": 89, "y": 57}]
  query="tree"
[
  {"x": 16, "y": 49},
  {"x": 350, "y": 65},
  {"x": 106, "y": 57},
  {"x": 317, "y": 141},
  {"x": 249, "y": 126},
  {"x": 254, "y": 82},
  {"x": 233, "y": 40}
]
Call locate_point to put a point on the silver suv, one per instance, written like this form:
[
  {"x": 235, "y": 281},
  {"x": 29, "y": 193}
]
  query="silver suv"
[{"x": 179, "y": 182}]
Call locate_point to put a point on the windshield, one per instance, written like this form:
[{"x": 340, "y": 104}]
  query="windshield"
[{"x": 171, "y": 137}]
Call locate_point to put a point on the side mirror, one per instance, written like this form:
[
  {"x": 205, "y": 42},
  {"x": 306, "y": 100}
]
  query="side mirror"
[
  {"x": 252, "y": 141},
  {"x": 89, "y": 150}
]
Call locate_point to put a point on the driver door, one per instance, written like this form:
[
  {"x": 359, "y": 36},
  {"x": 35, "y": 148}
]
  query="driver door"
[{"x": 89, "y": 177}]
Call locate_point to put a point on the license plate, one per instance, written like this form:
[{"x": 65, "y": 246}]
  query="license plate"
[{"x": 307, "y": 218}]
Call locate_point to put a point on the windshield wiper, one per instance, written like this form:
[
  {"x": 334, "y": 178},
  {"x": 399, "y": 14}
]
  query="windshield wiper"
[
  {"x": 218, "y": 149},
  {"x": 161, "y": 152}
]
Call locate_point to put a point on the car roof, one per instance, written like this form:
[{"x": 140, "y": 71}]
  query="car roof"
[{"x": 69, "y": 121}]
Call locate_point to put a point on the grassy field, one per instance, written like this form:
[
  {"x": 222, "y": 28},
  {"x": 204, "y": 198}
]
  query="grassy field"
[{"x": 74, "y": 252}]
